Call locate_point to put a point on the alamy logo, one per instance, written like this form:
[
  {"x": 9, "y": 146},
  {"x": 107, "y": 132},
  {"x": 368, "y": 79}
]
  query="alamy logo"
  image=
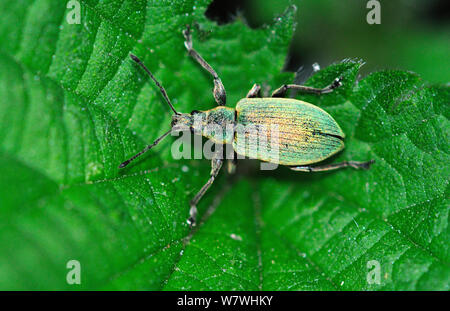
[
  {"x": 74, "y": 274},
  {"x": 74, "y": 14},
  {"x": 373, "y": 272},
  {"x": 259, "y": 141},
  {"x": 374, "y": 15}
]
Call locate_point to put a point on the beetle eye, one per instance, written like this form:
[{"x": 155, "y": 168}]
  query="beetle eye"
[{"x": 194, "y": 112}]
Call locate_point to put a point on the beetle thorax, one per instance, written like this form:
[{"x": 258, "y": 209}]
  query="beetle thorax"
[{"x": 216, "y": 124}]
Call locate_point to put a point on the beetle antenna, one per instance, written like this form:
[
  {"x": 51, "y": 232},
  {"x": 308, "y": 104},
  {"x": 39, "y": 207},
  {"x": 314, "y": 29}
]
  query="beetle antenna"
[
  {"x": 123, "y": 164},
  {"x": 161, "y": 88}
]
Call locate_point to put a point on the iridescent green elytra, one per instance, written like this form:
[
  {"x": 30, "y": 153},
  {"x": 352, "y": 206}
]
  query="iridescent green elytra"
[
  {"x": 307, "y": 134},
  {"x": 273, "y": 129}
]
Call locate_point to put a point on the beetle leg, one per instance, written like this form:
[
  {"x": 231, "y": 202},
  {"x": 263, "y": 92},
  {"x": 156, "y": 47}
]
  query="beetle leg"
[
  {"x": 255, "y": 91},
  {"x": 231, "y": 166},
  {"x": 216, "y": 164},
  {"x": 219, "y": 92},
  {"x": 232, "y": 163},
  {"x": 334, "y": 166},
  {"x": 281, "y": 91}
]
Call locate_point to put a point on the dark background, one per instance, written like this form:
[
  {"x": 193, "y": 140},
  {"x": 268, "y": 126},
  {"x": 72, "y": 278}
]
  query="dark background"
[{"x": 413, "y": 34}]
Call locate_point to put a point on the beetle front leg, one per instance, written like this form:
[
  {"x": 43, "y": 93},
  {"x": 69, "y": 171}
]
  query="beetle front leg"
[
  {"x": 216, "y": 164},
  {"x": 281, "y": 91},
  {"x": 334, "y": 166},
  {"x": 219, "y": 92}
]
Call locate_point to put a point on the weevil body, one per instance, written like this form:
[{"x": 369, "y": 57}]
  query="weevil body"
[{"x": 304, "y": 134}]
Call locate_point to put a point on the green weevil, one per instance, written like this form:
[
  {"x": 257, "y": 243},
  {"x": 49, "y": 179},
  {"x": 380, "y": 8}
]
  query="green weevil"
[{"x": 308, "y": 134}]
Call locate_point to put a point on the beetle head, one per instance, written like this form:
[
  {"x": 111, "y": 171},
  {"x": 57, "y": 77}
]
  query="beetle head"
[
  {"x": 181, "y": 122},
  {"x": 193, "y": 121}
]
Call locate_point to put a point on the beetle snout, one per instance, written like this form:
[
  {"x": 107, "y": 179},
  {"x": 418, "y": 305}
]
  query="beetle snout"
[
  {"x": 181, "y": 121},
  {"x": 173, "y": 123}
]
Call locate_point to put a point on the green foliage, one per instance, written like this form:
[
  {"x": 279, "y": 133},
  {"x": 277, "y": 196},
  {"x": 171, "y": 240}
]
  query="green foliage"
[
  {"x": 410, "y": 36},
  {"x": 73, "y": 106}
]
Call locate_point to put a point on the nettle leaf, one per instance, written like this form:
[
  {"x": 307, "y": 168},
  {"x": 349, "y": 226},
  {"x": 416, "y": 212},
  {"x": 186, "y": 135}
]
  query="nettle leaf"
[{"x": 74, "y": 106}]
